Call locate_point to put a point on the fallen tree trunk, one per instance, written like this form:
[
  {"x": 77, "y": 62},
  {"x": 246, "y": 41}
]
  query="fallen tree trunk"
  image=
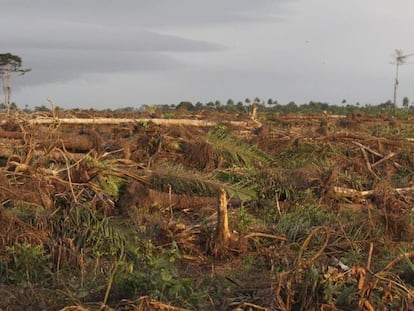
[
  {"x": 115, "y": 121},
  {"x": 55, "y": 154},
  {"x": 348, "y": 192},
  {"x": 11, "y": 135}
]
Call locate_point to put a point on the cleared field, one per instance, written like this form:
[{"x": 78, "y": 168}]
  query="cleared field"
[{"x": 216, "y": 212}]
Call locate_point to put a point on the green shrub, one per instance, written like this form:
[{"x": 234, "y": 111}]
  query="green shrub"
[
  {"x": 25, "y": 263},
  {"x": 156, "y": 275}
]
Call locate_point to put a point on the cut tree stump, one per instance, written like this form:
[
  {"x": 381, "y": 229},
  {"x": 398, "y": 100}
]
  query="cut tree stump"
[{"x": 224, "y": 241}]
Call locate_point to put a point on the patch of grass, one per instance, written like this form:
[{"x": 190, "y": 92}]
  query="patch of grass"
[
  {"x": 299, "y": 222},
  {"x": 353, "y": 180},
  {"x": 384, "y": 131},
  {"x": 25, "y": 212},
  {"x": 244, "y": 220}
]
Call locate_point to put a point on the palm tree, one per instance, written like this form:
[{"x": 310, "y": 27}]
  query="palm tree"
[{"x": 399, "y": 59}]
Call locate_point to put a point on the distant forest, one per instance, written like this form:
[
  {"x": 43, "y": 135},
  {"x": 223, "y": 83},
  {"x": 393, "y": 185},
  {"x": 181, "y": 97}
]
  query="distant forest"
[{"x": 269, "y": 106}]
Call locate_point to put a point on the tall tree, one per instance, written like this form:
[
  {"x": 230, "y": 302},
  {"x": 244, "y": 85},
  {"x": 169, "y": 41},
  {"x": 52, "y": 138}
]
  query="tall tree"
[
  {"x": 399, "y": 59},
  {"x": 270, "y": 102},
  {"x": 406, "y": 102},
  {"x": 9, "y": 64}
]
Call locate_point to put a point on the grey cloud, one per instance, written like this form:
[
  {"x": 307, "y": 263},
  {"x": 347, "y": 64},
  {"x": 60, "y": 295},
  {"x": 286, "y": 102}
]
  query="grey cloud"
[
  {"x": 59, "y": 66},
  {"x": 81, "y": 36},
  {"x": 154, "y": 13},
  {"x": 59, "y": 49}
]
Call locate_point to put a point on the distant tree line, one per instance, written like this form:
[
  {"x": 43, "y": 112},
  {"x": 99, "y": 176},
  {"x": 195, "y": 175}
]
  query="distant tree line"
[
  {"x": 268, "y": 106},
  {"x": 273, "y": 106}
]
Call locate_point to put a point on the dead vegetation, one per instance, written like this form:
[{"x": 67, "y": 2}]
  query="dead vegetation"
[{"x": 138, "y": 214}]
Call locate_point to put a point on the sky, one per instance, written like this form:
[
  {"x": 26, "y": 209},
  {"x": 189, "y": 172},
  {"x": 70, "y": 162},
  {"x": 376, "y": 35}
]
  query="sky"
[{"x": 128, "y": 53}]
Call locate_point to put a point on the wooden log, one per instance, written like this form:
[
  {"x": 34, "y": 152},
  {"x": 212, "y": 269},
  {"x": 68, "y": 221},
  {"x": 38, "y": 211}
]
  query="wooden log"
[
  {"x": 368, "y": 149},
  {"x": 348, "y": 192},
  {"x": 387, "y": 157},
  {"x": 7, "y": 152},
  {"x": 116, "y": 121},
  {"x": 11, "y": 134}
]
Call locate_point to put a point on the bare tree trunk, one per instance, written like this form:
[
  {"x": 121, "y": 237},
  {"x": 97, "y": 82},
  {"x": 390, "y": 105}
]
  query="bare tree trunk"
[
  {"x": 3, "y": 83},
  {"x": 255, "y": 106},
  {"x": 396, "y": 86},
  {"x": 222, "y": 234},
  {"x": 5, "y": 80}
]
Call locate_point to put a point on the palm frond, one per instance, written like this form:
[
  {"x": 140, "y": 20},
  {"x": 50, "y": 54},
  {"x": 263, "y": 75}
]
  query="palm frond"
[
  {"x": 235, "y": 151},
  {"x": 178, "y": 180},
  {"x": 400, "y": 58}
]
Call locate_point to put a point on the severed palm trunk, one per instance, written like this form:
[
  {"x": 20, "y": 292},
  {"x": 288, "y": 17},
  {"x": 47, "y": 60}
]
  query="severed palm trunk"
[
  {"x": 222, "y": 234},
  {"x": 255, "y": 106},
  {"x": 396, "y": 87}
]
